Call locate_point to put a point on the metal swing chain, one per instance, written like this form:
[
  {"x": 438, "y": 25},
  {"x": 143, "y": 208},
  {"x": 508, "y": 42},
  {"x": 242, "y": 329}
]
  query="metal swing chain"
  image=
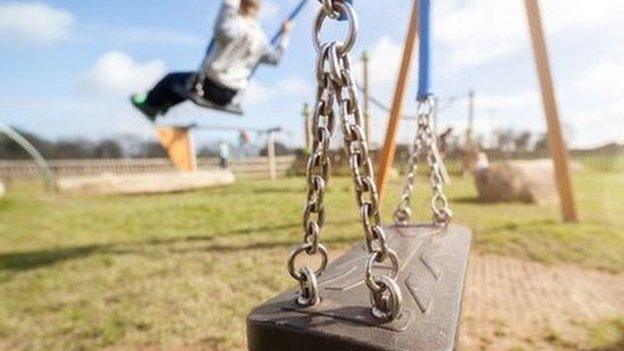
[
  {"x": 318, "y": 168},
  {"x": 425, "y": 144},
  {"x": 337, "y": 89},
  {"x": 386, "y": 295}
]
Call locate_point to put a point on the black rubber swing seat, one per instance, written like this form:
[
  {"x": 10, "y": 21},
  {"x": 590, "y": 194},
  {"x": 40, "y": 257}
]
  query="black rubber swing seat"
[
  {"x": 434, "y": 263},
  {"x": 191, "y": 94},
  {"x": 232, "y": 108}
]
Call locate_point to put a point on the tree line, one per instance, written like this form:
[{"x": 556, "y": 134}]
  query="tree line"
[{"x": 127, "y": 146}]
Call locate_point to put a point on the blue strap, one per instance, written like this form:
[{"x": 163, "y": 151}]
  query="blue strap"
[
  {"x": 291, "y": 17},
  {"x": 424, "y": 74},
  {"x": 210, "y": 47}
]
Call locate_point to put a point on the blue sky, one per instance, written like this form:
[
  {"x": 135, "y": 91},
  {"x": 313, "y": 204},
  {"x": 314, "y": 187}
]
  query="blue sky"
[{"x": 66, "y": 67}]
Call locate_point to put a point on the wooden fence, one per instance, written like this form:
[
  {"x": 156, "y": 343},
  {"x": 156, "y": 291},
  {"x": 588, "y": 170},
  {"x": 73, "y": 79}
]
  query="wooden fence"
[
  {"x": 244, "y": 168},
  {"x": 248, "y": 168}
]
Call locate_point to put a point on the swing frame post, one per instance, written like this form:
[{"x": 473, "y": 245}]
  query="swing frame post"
[
  {"x": 271, "y": 155},
  {"x": 386, "y": 158},
  {"x": 180, "y": 146},
  {"x": 469, "y": 145},
  {"x": 307, "y": 128},
  {"x": 560, "y": 154},
  {"x": 366, "y": 90}
]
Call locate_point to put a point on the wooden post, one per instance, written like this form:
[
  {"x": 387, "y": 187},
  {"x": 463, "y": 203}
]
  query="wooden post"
[
  {"x": 307, "y": 126},
  {"x": 561, "y": 157},
  {"x": 469, "y": 147},
  {"x": 180, "y": 146},
  {"x": 366, "y": 81},
  {"x": 389, "y": 149},
  {"x": 471, "y": 110},
  {"x": 271, "y": 155}
]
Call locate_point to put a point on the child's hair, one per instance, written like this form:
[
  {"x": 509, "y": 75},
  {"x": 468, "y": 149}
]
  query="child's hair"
[{"x": 250, "y": 3}]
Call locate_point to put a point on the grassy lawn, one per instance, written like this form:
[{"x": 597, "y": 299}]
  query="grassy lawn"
[{"x": 184, "y": 269}]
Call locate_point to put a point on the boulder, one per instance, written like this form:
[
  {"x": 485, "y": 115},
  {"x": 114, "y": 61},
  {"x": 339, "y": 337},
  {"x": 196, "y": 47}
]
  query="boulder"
[
  {"x": 517, "y": 181},
  {"x": 145, "y": 183}
]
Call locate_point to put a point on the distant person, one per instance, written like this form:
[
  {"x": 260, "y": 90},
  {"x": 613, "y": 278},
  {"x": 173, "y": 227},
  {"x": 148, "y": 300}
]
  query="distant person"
[
  {"x": 239, "y": 45},
  {"x": 224, "y": 155},
  {"x": 482, "y": 162}
]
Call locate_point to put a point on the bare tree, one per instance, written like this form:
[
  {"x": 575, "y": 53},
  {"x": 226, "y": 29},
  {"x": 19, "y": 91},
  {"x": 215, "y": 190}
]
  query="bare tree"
[
  {"x": 522, "y": 140},
  {"x": 505, "y": 139},
  {"x": 542, "y": 143}
]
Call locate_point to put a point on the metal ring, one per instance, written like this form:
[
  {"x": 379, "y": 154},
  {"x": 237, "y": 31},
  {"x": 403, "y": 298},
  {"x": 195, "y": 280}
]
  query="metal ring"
[
  {"x": 309, "y": 294},
  {"x": 320, "y": 62},
  {"x": 387, "y": 308},
  {"x": 335, "y": 69},
  {"x": 370, "y": 280},
  {"x": 328, "y": 6},
  {"x": 347, "y": 45},
  {"x": 306, "y": 248},
  {"x": 425, "y": 107}
]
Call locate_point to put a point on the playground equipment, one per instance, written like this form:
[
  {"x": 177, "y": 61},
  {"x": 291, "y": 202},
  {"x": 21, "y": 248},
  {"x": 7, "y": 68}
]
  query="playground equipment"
[
  {"x": 411, "y": 274},
  {"x": 524, "y": 181},
  {"x": 179, "y": 143},
  {"x": 44, "y": 168},
  {"x": 194, "y": 90},
  {"x": 560, "y": 154},
  {"x": 147, "y": 183}
]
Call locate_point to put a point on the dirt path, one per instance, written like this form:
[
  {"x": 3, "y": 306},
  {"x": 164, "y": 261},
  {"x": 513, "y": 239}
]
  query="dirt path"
[{"x": 513, "y": 304}]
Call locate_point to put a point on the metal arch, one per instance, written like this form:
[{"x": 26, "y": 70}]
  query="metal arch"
[{"x": 44, "y": 168}]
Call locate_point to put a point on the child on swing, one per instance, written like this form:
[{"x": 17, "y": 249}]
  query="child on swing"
[{"x": 239, "y": 45}]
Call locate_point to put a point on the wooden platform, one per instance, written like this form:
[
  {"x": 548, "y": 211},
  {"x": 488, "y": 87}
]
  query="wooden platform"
[{"x": 145, "y": 183}]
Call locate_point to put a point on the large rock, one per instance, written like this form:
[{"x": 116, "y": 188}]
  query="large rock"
[
  {"x": 521, "y": 181},
  {"x": 147, "y": 183}
]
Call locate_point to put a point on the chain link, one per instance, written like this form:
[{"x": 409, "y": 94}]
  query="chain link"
[
  {"x": 337, "y": 91},
  {"x": 425, "y": 145},
  {"x": 386, "y": 295}
]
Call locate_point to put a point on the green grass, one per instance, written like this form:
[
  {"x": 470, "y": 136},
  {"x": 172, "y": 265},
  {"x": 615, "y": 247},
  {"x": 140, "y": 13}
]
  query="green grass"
[{"x": 78, "y": 273}]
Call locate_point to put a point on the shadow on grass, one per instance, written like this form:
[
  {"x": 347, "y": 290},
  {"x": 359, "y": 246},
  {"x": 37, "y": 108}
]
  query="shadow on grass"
[
  {"x": 6, "y": 204},
  {"x": 24, "y": 261},
  {"x": 28, "y": 260},
  {"x": 617, "y": 346},
  {"x": 475, "y": 200},
  {"x": 278, "y": 190},
  {"x": 268, "y": 245},
  {"x": 513, "y": 226}
]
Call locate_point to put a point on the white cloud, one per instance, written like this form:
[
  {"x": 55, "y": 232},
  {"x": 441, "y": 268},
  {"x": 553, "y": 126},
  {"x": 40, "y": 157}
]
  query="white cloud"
[
  {"x": 34, "y": 22},
  {"x": 513, "y": 101},
  {"x": 153, "y": 36},
  {"x": 118, "y": 73},
  {"x": 385, "y": 59},
  {"x": 598, "y": 125},
  {"x": 479, "y": 31},
  {"x": 581, "y": 13},
  {"x": 605, "y": 79},
  {"x": 259, "y": 93}
]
